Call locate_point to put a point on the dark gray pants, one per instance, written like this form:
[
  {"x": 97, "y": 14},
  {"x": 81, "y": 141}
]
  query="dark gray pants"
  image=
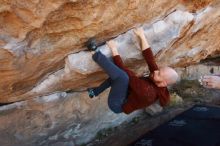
[{"x": 118, "y": 81}]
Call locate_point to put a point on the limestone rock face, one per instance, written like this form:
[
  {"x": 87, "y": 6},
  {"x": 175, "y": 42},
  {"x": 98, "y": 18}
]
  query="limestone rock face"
[
  {"x": 43, "y": 58},
  {"x": 37, "y": 36},
  {"x": 40, "y": 34},
  {"x": 46, "y": 120}
]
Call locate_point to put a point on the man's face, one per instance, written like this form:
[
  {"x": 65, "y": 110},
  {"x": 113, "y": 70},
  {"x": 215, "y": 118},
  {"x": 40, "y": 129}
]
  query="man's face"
[{"x": 159, "y": 78}]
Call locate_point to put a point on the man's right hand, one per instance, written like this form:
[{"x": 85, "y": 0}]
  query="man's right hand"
[{"x": 139, "y": 32}]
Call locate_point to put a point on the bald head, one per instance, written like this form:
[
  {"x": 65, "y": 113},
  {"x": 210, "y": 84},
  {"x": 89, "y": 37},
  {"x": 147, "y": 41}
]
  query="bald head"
[{"x": 169, "y": 74}]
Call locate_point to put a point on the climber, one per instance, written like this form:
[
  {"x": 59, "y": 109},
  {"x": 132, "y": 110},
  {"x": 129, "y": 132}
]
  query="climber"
[
  {"x": 210, "y": 81},
  {"x": 128, "y": 91}
]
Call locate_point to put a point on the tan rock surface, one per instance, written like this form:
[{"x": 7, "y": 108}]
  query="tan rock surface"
[
  {"x": 42, "y": 56},
  {"x": 40, "y": 34}
]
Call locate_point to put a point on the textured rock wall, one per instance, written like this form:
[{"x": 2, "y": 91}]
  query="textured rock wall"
[
  {"x": 43, "y": 59},
  {"x": 38, "y": 36},
  {"x": 60, "y": 117}
]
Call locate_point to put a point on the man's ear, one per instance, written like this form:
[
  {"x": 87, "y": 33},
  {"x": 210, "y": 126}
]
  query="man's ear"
[
  {"x": 156, "y": 71},
  {"x": 165, "y": 83},
  {"x": 162, "y": 84}
]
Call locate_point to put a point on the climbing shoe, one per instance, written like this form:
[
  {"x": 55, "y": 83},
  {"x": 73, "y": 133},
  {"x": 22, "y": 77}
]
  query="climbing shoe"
[
  {"x": 90, "y": 92},
  {"x": 91, "y": 44}
]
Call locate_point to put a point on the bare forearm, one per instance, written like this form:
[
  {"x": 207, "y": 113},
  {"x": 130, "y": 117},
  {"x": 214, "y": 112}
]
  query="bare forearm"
[
  {"x": 113, "y": 47},
  {"x": 114, "y": 51},
  {"x": 140, "y": 33},
  {"x": 144, "y": 43}
]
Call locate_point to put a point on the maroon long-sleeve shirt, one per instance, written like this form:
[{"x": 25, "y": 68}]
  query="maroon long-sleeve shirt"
[{"x": 142, "y": 91}]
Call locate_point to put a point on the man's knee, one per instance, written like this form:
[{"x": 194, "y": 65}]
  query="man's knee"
[
  {"x": 115, "y": 107},
  {"x": 116, "y": 111},
  {"x": 126, "y": 78},
  {"x": 123, "y": 76}
]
